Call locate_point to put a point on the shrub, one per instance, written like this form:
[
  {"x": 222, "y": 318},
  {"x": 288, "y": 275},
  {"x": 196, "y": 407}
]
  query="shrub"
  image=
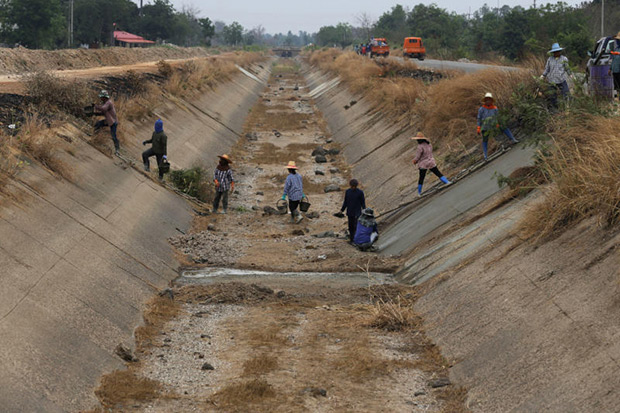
[
  {"x": 193, "y": 182},
  {"x": 69, "y": 96}
]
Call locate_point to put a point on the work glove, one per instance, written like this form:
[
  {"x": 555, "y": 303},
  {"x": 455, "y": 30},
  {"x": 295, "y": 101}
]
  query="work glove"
[
  {"x": 284, "y": 197},
  {"x": 165, "y": 158},
  {"x": 339, "y": 214},
  {"x": 232, "y": 186},
  {"x": 478, "y": 130},
  {"x": 217, "y": 183},
  {"x": 143, "y": 142}
]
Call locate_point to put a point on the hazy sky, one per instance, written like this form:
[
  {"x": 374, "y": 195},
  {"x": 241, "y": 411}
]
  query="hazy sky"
[{"x": 284, "y": 15}]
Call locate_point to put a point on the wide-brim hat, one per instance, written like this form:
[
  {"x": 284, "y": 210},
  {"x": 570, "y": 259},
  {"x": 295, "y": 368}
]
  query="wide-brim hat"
[
  {"x": 291, "y": 165},
  {"x": 555, "y": 47},
  {"x": 368, "y": 212},
  {"x": 617, "y": 37},
  {"x": 419, "y": 136},
  {"x": 104, "y": 94},
  {"x": 488, "y": 95},
  {"x": 225, "y": 157}
]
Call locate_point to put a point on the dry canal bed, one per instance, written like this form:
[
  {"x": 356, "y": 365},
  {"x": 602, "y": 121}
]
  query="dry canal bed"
[{"x": 321, "y": 328}]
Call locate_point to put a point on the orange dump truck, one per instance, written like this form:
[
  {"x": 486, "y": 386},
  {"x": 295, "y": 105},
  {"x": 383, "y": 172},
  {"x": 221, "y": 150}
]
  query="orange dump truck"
[
  {"x": 413, "y": 47},
  {"x": 379, "y": 47}
]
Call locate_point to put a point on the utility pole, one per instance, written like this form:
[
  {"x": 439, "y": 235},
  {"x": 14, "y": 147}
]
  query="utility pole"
[
  {"x": 71, "y": 26},
  {"x": 140, "y": 14},
  {"x": 602, "y": 18}
]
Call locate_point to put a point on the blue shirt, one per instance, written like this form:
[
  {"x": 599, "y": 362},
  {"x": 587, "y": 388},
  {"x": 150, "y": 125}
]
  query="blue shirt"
[
  {"x": 362, "y": 233},
  {"x": 293, "y": 187},
  {"x": 354, "y": 202},
  {"x": 487, "y": 117}
]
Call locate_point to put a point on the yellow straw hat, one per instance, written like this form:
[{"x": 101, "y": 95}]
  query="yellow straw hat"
[
  {"x": 291, "y": 165},
  {"x": 419, "y": 136},
  {"x": 225, "y": 157}
]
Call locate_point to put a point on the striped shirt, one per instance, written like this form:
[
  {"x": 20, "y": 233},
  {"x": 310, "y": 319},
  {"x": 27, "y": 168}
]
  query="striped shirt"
[
  {"x": 224, "y": 178},
  {"x": 293, "y": 187},
  {"x": 557, "y": 70}
]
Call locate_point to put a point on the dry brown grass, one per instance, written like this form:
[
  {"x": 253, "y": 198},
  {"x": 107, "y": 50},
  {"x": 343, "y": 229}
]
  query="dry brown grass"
[
  {"x": 123, "y": 386},
  {"x": 39, "y": 141},
  {"x": 451, "y": 106},
  {"x": 584, "y": 166},
  {"x": 261, "y": 364},
  {"x": 395, "y": 314},
  {"x": 159, "y": 310},
  {"x": 282, "y": 118},
  {"x": 54, "y": 93},
  {"x": 238, "y": 396},
  {"x": 194, "y": 76}
]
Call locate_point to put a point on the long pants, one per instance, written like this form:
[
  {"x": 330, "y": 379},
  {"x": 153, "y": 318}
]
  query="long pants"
[
  {"x": 292, "y": 206},
  {"x": 423, "y": 174},
  {"x": 216, "y": 201},
  {"x": 352, "y": 226},
  {"x": 101, "y": 124},
  {"x": 616, "y": 77},
  {"x": 159, "y": 157},
  {"x": 561, "y": 88}
]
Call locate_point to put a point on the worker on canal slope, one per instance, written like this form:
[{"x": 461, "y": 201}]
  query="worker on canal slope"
[
  {"x": 224, "y": 181},
  {"x": 366, "y": 233},
  {"x": 106, "y": 108},
  {"x": 294, "y": 189},
  {"x": 354, "y": 202},
  {"x": 424, "y": 160},
  {"x": 488, "y": 123},
  {"x": 556, "y": 73},
  {"x": 159, "y": 149}
]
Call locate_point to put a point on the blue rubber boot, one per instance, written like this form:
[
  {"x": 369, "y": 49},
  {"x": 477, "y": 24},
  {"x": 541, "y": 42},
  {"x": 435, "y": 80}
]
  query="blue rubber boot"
[
  {"x": 445, "y": 180},
  {"x": 508, "y": 133},
  {"x": 485, "y": 147},
  {"x": 419, "y": 190}
]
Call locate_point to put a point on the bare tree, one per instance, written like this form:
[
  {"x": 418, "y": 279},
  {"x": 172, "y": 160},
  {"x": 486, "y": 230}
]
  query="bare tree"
[
  {"x": 366, "y": 24},
  {"x": 258, "y": 33}
]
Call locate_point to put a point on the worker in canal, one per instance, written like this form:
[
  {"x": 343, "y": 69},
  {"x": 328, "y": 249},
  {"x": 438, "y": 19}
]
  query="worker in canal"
[
  {"x": 159, "y": 149},
  {"x": 354, "y": 202},
  {"x": 224, "y": 182},
  {"x": 366, "y": 233},
  {"x": 557, "y": 73},
  {"x": 424, "y": 160},
  {"x": 614, "y": 68},
  {"x": 489, "y": 125},
  {"x": 106, "y": 108},
  {"x": 294, "y": 189}
]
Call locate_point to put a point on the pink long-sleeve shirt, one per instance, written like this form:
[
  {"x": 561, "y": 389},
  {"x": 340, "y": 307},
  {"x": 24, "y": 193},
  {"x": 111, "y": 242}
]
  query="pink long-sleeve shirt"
[
  {"x": 424, "y": 156},
  {"x": 107, "y": 109}
]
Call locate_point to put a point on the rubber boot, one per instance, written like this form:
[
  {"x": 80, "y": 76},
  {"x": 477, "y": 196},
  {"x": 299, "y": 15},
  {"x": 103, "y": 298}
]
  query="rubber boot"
[
  {"x": 419, "y": 189},
  {"x": 485, "y": 147},
  {"x": 147, "y": 167},
  {"x": 508, "y": 133},
  {"x": 445, "y": 180}
]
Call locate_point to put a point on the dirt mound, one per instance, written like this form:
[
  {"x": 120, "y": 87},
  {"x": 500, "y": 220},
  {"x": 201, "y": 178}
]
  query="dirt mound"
[
  {"x": 213, "y": 248},
  {"x": 20, "y": 60}
]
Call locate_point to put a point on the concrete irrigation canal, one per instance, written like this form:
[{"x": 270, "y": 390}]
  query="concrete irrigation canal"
[{"x": 120, "y": 295}]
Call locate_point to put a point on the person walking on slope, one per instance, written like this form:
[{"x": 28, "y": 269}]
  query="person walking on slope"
[
  {"x": 106, "y": 108},
  {"x": 556, "y": 73},
  {"x": 224, "y": 181},
  {"x": 488, "y": 123},
  {"x": 294, "y": 189},
  {"x": 366, "y": 233},
  {"x": 425, "y": 161},
  {"x": 354, "y": 202},
  {"x": 159, "y": 149},
  {"x": 614, "y": 68}
]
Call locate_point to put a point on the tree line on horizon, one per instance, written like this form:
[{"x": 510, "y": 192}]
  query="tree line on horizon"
[
  {"x": 512, "y": 32},
  {"x": 44, "y": 24}
]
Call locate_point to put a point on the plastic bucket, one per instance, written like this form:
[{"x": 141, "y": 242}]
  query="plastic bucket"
[
  {"x": 281, "y": 206},
  {"x": 304, "y": 205}
]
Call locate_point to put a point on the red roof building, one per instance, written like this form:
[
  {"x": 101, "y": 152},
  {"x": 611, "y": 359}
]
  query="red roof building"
[{"x": 126, "y": 39}]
